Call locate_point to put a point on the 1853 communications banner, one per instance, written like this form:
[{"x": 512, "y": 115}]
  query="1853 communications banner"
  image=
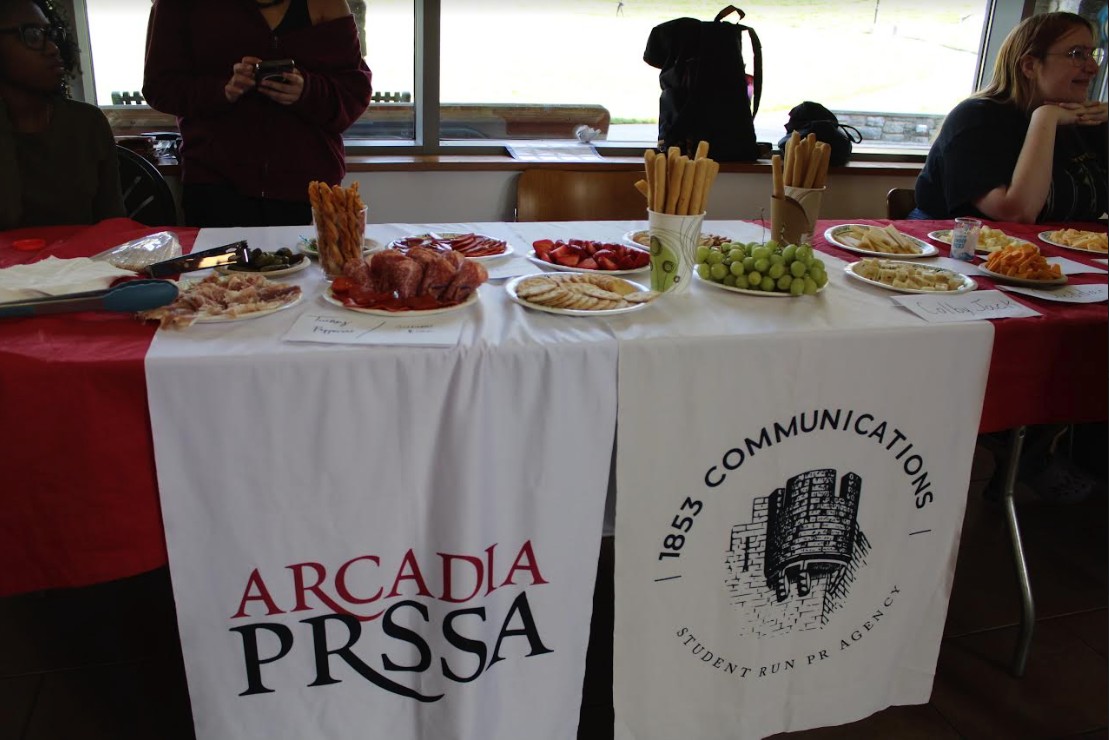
[
  {"x": 381, "y": 543},
  {"x": 787, "y": 520}
]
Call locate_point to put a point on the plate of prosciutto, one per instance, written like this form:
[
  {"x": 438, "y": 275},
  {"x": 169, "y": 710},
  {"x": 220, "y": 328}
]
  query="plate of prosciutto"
[
  {"x": 471, "y": 246},
  {"x": 419, "y": 281}
]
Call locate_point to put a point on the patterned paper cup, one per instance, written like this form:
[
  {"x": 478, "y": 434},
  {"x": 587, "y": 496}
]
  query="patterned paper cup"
[
  {"x": 793, "y": 218},
  {"x": 673, "y": 250}
]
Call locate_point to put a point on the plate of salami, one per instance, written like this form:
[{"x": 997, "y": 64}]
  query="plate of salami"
[
  {"x": 472, "y": 246},
  {"x": 401, "y": 308}
]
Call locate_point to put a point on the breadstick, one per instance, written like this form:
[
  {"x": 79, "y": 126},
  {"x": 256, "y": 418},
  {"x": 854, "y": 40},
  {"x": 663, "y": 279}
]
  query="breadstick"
[
  {"x": 700, "y": 175},
  {"x": 791, "y": 159},
  {"x": 673, "y": 181},
  {"x": 702, "y": 150},
  {"x": 776, "y": 176},
  {"x": 714, "y": 170},
  {"x": 660, "y": 185},
  {"x": 810, "y": 166},
  {"x": 822, "y": 170},
  {"x": 649, "y": 157},
  {"x": 686, "y": 186},
  {"x": 641, "y": 186}
]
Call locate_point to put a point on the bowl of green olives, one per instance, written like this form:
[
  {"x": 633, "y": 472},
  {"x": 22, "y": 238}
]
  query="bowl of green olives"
[{"x": 272, "y": 264}]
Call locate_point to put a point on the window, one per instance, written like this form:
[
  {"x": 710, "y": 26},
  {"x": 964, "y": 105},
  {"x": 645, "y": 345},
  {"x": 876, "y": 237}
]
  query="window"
[{"x": 506, "y": 69}]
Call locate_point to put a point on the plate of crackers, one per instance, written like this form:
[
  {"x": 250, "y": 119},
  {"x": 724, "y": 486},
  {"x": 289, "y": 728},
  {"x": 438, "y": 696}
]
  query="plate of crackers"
[{"x": 579, "y": 293}]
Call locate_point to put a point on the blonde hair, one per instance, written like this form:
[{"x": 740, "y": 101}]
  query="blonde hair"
[{"x": 1033, "y": 37}]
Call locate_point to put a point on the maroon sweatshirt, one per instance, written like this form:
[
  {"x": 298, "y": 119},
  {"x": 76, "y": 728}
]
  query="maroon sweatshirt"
[{"x": 261, "y": 147}]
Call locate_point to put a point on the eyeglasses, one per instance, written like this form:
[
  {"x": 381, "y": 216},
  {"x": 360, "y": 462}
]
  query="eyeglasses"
[
  {"x": 35, "y": 36},
  {"x": 1079, "y": 55}
]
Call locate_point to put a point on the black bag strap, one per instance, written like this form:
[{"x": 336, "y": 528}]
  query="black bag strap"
[
  {"x": 756, "y": 52},
  {"x": 847, "y": 129}
]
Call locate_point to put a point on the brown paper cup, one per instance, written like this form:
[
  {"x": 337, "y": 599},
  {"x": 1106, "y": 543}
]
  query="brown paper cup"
[{"x": 793, "y": 218}]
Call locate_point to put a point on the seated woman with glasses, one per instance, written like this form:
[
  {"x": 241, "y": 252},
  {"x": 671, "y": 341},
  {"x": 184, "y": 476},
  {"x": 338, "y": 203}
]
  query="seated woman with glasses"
[
  {"x": 1030, "y": 147},
  {"x": 57, "y": 156}
]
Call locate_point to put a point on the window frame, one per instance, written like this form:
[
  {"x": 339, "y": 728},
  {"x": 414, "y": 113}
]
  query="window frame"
[{"x": 1001, "y": 17}]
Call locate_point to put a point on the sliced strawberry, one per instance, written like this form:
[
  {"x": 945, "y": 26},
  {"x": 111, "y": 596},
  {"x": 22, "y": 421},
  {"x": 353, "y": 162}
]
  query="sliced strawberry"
[
  {"x": 543, "y": 249},
  {"x": 588, "y": 264},
  {"x": 566, "y": 255}
]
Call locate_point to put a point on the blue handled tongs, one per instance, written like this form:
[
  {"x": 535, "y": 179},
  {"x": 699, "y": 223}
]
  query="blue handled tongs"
[{"x": 135, "y": 295}]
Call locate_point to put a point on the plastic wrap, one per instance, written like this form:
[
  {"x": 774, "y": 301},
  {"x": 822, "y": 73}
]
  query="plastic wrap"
[{"x": 138, "y": 254}]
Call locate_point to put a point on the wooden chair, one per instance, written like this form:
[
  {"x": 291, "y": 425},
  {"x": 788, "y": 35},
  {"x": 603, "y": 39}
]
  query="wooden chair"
[
  {"x": 579, "y": 195},
  {"x": 899, "y": 203}
]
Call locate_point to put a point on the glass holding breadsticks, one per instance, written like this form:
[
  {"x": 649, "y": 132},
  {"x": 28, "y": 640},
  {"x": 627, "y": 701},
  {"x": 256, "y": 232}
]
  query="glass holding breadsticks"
[{"x": 340, "y": 218}]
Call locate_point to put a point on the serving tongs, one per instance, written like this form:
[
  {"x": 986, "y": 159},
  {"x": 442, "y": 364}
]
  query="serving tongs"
[
  {"x": 133, "y": 295},
  {"x": 226, "y": 255}
]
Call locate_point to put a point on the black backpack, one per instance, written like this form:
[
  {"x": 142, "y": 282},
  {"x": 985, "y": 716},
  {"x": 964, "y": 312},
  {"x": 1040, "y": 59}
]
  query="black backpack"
[
  {"x": 810, "y": 117},
  {"x": 704, "y": 86}
]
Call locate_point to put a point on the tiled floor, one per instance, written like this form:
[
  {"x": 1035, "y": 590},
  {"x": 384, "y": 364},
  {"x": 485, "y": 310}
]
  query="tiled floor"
[{"x": 66, "y": 673}]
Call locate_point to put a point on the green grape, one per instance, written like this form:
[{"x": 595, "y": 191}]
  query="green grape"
[
  {"x": 703, "y": 271},
  {"x": 737, "y": 254},
  {"x": 818, "y": 262},
  {"x": 810, "y": 286},
  {"x": 789, "y": 253},
  {"x": 777, "y": 271},
  {"x": 737, "y": 268},
  {"x": 797, "y": 269},
  {"x": 784, "y": 282},
  {"x": 760, "y": 253},
  {"x": 729, "y": 280},
  {"x": 804, "y": 252},
  {"x": 748, "y": 264},
  {"x": 727, "y": 260},
  {"x": 767, "y": 284},
  {"x": 718, "y": 271},
  {"x": 821, "y": 279},
  {"x": 715, "y": 256},
  {"x": 777, "y": 259},
  {"x": 741, "y": 281},
  {"x": 772, "y": 244},
  {"x": 762, "y": 264},
  {"x": 701, "y": 254},
  {"x": 797, "y": 287},
  {"x": 754, "y": 277}
]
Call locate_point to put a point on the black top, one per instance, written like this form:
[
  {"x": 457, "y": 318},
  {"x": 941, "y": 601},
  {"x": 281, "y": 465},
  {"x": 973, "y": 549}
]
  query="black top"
[
  {"x": 977, "y": 150},
  {"x": 296, "y": 17}
]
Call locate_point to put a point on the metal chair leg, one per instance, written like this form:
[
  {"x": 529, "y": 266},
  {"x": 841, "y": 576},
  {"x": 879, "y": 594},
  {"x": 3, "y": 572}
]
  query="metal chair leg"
[{"x": 1027, "y": 609}]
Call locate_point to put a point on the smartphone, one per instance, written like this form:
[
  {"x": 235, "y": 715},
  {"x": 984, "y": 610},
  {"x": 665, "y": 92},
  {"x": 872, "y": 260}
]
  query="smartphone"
[{"x": 273, "y": 69}]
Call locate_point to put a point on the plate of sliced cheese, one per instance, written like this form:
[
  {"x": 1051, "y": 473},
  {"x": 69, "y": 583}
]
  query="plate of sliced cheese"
[
  {"x": 906, "y": 277},
  {"x": 883, "y": 241}
]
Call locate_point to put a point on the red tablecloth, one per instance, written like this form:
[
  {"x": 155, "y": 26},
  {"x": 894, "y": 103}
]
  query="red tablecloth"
[
  {"x": 1043, "y": 370},
  {"x": 79, "y": 504}
]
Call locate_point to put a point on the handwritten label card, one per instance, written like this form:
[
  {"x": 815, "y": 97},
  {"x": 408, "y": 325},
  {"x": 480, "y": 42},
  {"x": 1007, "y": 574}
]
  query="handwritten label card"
[
  {"x": 352, "y": 328},
  {"x": 1093, "y": 293},
  {"x": 974, "y": 306},
  {"x": 1071, "y": 267}
]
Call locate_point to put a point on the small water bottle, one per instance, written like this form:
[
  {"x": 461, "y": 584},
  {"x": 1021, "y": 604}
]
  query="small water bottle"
[{"x": 964, "y": 238}]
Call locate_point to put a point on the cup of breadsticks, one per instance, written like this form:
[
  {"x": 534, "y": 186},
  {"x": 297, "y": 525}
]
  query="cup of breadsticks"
[
  {"x": 677, "y": 190},
  {"x": 799, "y": 178},
  {"x": 340, "y": 218}
]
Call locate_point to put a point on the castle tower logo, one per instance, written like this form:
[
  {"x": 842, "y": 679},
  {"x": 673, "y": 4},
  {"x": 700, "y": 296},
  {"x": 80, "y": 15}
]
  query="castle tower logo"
[{"x": 793, "y": 564}]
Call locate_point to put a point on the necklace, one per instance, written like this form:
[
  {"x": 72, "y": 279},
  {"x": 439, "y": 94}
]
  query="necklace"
[{"x": 268, "y": 3}]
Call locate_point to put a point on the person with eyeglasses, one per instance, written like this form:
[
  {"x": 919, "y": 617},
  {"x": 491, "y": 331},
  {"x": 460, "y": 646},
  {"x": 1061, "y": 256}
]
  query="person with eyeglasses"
[
  {"x": 57, "y": 156},
  {"x": 251, "y": 143},
  {"x": 1030, "y": 147}
]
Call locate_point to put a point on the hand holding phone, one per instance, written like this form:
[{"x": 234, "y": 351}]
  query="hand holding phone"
[{"x": 274, "y": 69}]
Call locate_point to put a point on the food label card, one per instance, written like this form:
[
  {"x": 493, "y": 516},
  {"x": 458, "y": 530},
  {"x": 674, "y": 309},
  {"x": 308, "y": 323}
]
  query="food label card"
[
  {"x": 1071, "y": 267},
  {"x": 509, "y": 268},
  {"x": 351, "y": 328},
  {"x": 973, "y": 306},
  {"x": 1092, "y": 293}
]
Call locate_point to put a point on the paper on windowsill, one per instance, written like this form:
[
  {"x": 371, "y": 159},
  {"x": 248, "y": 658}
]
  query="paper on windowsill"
[
  {"x": 974, "y": 306},
  {"x": 348, "y": 327}
]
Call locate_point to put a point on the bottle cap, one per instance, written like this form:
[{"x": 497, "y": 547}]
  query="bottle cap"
[{"x": 29, "y": 245}]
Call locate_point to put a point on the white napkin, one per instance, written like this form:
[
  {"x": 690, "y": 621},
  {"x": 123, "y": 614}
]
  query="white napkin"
[{"x": 53, "y": 276}]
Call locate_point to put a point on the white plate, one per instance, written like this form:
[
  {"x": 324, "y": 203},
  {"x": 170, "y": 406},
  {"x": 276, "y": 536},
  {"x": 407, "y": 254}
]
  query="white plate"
[
  {"x": 968, "y": 282},
  {"x": 303, "y": 264},
  {"x": 927, "y": 250},
  {"x": 308, "y": 246},
  {"x": 398, "y": 314},
  {"x": 562, "y": 268},
  {"x": 1048, "y": 236},
  {"x": 1022, "y": 281},
  {"x": 251, "y": 315},
  {"x": 944, "y": 236},
  {"x": 510, "y": 287},
  {"x": 748, "y": 291},
  {"x": 632, "y": 237},
  {"x": 451, "y": 234}
]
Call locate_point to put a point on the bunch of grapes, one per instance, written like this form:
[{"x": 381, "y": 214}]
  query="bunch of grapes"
[{"x": 769, "y": 267}]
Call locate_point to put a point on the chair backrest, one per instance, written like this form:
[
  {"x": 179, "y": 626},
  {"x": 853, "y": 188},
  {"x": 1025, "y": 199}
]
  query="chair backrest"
[
  {"x": 577, "y": 195},
  {"x": 899, "y": 203},
  {"x": 146, "y": 195}
]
